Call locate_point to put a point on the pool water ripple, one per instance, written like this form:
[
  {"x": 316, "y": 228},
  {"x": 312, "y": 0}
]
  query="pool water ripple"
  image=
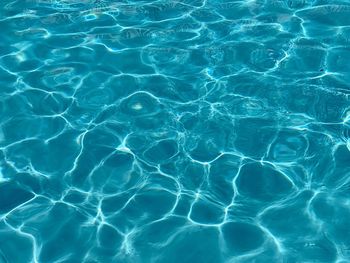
[{"x": 174, "y": 131}]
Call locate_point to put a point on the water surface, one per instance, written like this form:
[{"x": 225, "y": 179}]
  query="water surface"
[{"x": 194, "y": 131}]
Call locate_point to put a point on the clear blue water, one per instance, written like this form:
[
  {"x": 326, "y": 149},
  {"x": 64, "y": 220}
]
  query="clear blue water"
[{"x": 194, "y": 131}]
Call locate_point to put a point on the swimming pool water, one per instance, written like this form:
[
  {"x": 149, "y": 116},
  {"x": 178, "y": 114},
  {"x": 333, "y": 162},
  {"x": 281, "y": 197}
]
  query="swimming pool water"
[{"x": 194, "y": 131}]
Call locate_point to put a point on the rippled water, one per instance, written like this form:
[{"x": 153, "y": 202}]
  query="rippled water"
[{"x": 175, "y": 131}]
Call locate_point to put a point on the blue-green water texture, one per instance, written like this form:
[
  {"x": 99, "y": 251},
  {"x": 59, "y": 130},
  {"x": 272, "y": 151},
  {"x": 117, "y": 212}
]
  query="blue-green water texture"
[{"x": 185, "y": 131}]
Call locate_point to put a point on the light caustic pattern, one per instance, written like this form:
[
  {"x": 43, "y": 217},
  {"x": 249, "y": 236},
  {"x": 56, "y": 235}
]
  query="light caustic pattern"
[{"x": 175, "y": 131}]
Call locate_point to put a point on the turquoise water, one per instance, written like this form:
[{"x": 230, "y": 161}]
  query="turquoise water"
[{"x": 194, "y": 131}]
